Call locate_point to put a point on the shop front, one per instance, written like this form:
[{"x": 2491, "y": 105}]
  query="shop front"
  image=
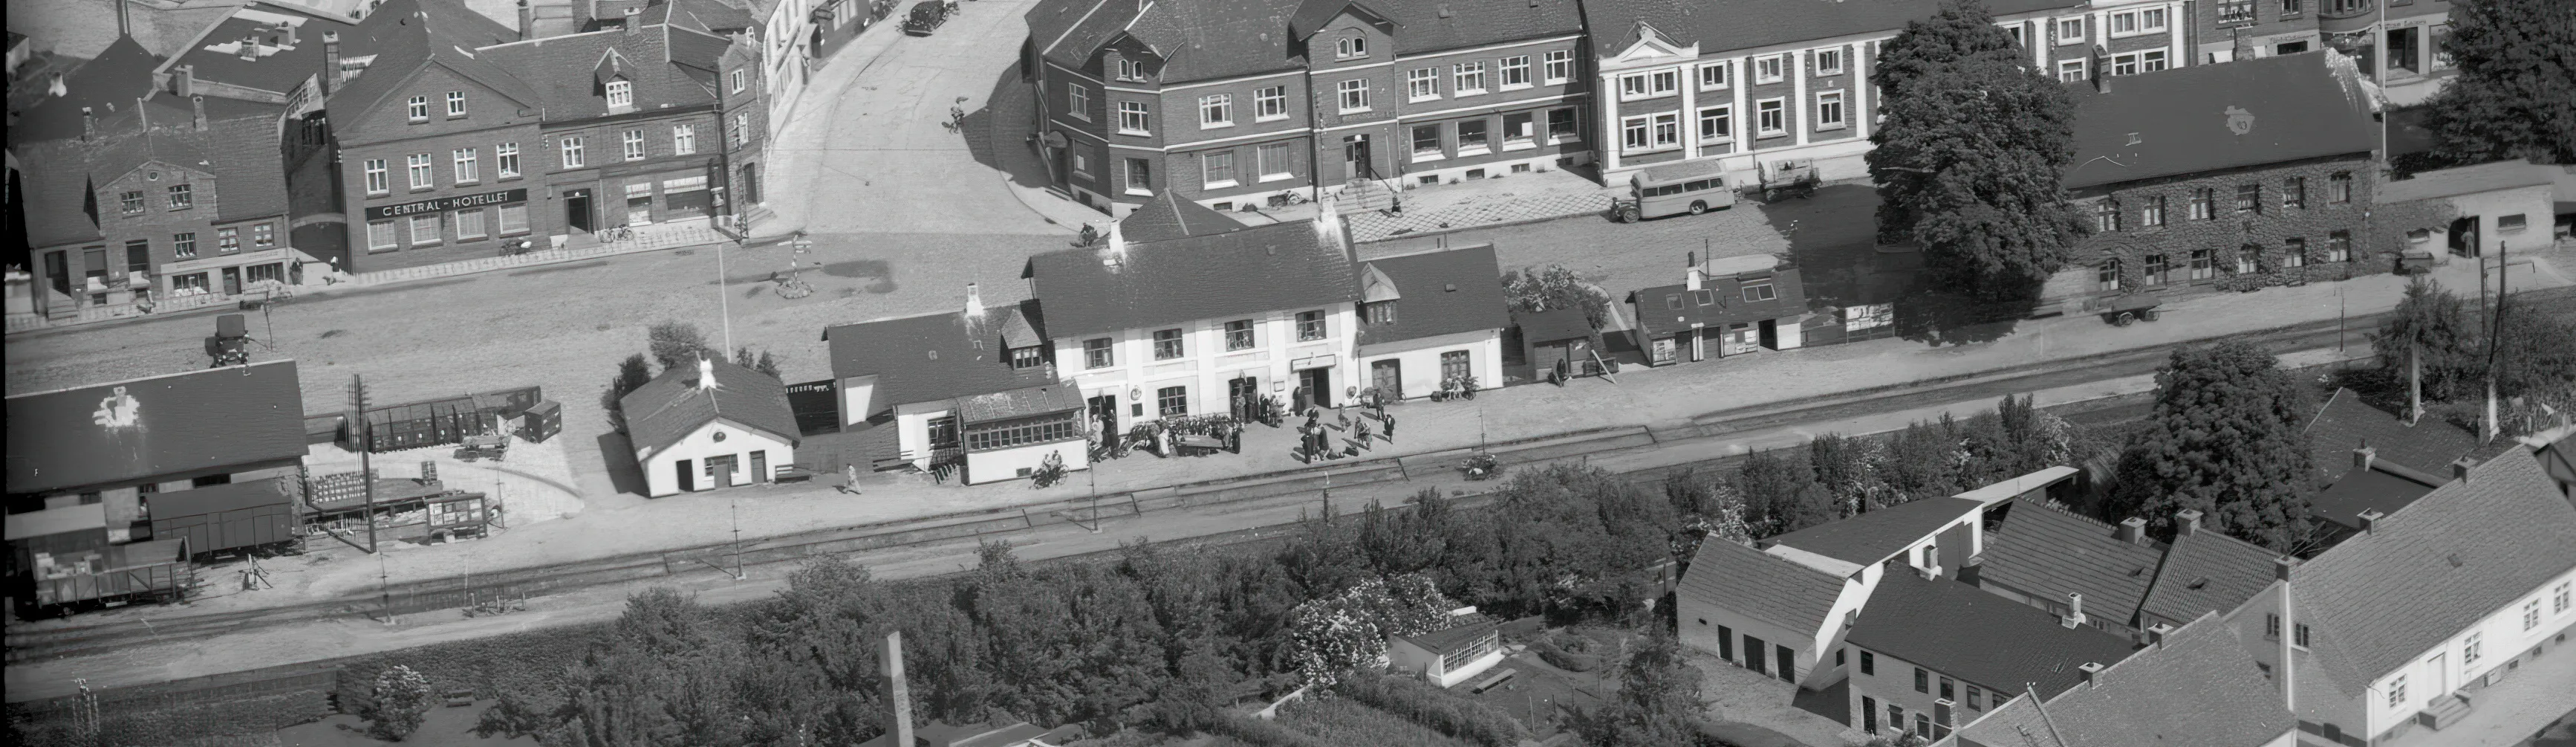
[
  {"x": 460, "y": 219},
  {"x": 659, "y": 198}
]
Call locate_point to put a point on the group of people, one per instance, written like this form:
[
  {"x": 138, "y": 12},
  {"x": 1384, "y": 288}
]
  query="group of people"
[{"x": 1315, "y": 437}]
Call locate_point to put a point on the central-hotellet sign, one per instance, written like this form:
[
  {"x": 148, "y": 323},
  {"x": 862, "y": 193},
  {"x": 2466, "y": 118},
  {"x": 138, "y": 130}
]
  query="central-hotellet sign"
[{"x": 444, "y": 204}]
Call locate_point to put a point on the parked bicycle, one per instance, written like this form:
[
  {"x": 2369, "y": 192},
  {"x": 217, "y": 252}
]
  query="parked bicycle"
[{"x": 613, "y": 234}]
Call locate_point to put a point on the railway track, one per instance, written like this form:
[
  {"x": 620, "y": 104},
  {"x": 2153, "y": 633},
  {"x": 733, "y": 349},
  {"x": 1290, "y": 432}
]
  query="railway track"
[{"x": 1241, "y": 494}]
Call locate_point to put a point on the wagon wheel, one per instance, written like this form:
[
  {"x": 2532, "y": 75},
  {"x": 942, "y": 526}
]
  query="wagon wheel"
[
  {"x": 2124, "y": 319},
  {"x": 2147, "y": 315}
]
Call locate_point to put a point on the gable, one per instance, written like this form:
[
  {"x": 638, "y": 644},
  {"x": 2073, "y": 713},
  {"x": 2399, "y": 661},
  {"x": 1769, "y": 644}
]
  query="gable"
[{"x": 1651, "y": 45}]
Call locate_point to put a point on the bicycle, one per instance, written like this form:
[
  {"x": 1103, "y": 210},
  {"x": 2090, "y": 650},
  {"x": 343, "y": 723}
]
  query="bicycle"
[{"x": 614, "y": 234}]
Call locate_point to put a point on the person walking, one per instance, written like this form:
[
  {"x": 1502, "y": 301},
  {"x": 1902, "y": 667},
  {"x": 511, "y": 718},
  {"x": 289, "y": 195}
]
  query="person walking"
[
  {"x": 850, "y": 479},
  {"x": 1388, "y": 420}
]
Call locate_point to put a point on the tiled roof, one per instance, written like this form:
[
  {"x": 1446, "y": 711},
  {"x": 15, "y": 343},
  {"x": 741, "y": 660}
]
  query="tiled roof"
[
  {"x": 429, "y": 33},
  {"x": 1724, "y": 25},
  {"x": 220, "y": 417},
  {"x": 2185, "y": 120},
  {"x": 1443, "y": 292},
  {"x": 1209, "y": 39},
  {"x": 2469, "y": 180},
  {"x": 1552, "y": 325},
  {"x": 2429, "y": 570},
  {"x": 1726, "y": 304},
  {"x": 1258, "y": 270},
  {"x": 1169, "y": 217},
  {"x": 1458, "y": 631},
  {"x": 1764, "y": 587},
  {"x": 2383, "y": 488},
  {"x": 250, "y": 181},
  {"x": 701, "y": 15},
  {"x": 2199, "y": 689},
  {"x": 85, "y": 28},
  {"x": 2047, "y": 553},
  {"x": 278, "y": 65},
  {"x": 1964, "y": 632},
  {"x": 649, "y": 61},
  {"x": 2207, "y": 571},
  {"x": 673, "y": 405},
  {"x": 2345, "y": 423},
  {"x": 106, "y": 84},
  {"x": 1872, "y": 537},
  {"x": 1432, "y": 25},
  {"x": 929, "y": 358}
]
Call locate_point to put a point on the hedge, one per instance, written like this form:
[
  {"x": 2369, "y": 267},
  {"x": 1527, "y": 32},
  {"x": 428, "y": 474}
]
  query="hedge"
[
  {"x": 1255, "y": 731},
  {"x": 1436, "y": 708}
]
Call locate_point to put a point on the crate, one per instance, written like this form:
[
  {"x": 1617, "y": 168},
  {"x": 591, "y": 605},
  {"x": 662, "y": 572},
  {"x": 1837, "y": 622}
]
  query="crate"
[{"x": 542, "y": 421}]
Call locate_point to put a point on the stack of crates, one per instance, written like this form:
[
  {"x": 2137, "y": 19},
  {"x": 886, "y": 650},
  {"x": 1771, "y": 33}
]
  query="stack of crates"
[{"x": 542, "y": 422}]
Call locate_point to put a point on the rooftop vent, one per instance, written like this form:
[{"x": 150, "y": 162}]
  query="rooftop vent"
[
  {"x": 2134, "y": 139},
  {"x": 2460, "y": 469},
  {"x": 2198, "y": 583},
  {"x": 2371, "y": 519},
  {"x": 2092, "y": 673}
]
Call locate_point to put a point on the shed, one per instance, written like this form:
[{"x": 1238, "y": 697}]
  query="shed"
[
  {"x": 1464, "y": 646},
  {"x": 1555, "y": 336}
]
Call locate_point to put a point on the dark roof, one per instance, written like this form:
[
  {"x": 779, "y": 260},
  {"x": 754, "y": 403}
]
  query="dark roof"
[
  {"x": 2345, "y": 423},
  {"x": 1762, "y": 586},
  {"x": 222, "y": 417},
  {"x": 1278, "y": 267},
  {"x": 408, "y": 36},
  {"x": 1169, "y": 217},
  {"x": 1872, "y": 537},
  {"x": 2384, "y": 488},
  {"x": 1455, "y": 633},
  {"x": 1433, "y": 25},
  {"x": 1725, "y": 25},
  {"x": 1961, "y": 631},
  {"x": 2434, "y": 567},
  {"x": 107, "y": 84},
  {"x": 702, "y": 15},
  {"x": 1552, "y": 325},
  {"x": 673, "y": 405},
  {"x": 84, "y": 28},
  {"x": 2469, "y": 180},
  {"x": 652, "y": 57},
  {"x": 242, "y": 154},
  {"x": 2200, "y": 688},
  {"x": 2183, "y": 120},
  {"x": 2046, "y": 552},
  {"x": 1018, "y": 403},
  {"x": 1443, "y": 292},
  {"x": 2207, "y": 571},
  {"x": 1208, "y": 39},
  {"x": 180, "y": 504},
  {"x": 1725, "y": 303},
  {"x": 929, "y": 358},
  {"x": 278, "y": 66}
]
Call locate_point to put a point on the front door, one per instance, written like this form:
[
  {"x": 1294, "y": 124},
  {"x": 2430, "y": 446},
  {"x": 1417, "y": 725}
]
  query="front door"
[
  {"x": 577, "y": 210},
  {"x": 58, "y": 270},
  {"x": 1318, "y": 383},
  {"x": 1753, "y": 654},
  {"x": 1388, "y": 377},
  {"x": 1788, "y": 661},
  {"x": 688, "y": 477},
  {"x": 1771, "y": 333},
  {"x": 760, "y": 466},
  {"x": 1245, "y": 396},
  {"x": 2464, "y": 236},
  {"x": 1355, "y": 157},
  {"x": 232, "y": 281},
  {"x": 1104, "y": 408},
  {"x": 720, "y": 471}
]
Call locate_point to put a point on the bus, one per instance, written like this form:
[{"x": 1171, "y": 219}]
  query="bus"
[{"x": 1692, "y": 187}]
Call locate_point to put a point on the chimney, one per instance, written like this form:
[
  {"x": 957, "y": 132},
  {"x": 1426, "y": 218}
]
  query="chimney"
[
  {"x": 250, "y": 47},
  {"x": 289, "y": 30},
  {"x": 2371, "y": 519},
  {"x": 898, "y": 696},
  {"x": 1115, "y": 251},
  {"x": 974, "y": 303},
  {"x": 89, "y": 124},
  {"x": 2157, "y": 633},
  {"x": 2074, "y": 610},
  {"x": 527, "y": 21},
  {"x": 2460, "y": 468},
  {"x": 199, "y": 120},
  {"x": 2092, "y": 673},
  {"x": 2362, "y": 457},
  {"x": 330, "y": 63},
  {"x": 1695, "y": 279},
  {"x": 428, "y": 471},
  {"x": 634, "y": 20},
  {"x": 2133, "y": 530},
  {"x": 185, "y": 84},
  {"x": 2186, "y": 522},
  {"x": 2281, "y": 567}
]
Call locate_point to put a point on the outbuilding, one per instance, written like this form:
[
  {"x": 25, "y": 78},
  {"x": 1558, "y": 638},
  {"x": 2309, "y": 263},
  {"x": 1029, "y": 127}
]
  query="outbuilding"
[
  {"x": 713, "y": 425},
  {"x": 1463, "y": 646}
]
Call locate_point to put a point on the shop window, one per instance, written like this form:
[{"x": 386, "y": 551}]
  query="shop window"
[
  {"x": 424, "y": 229},
  {"x": 513, "y": 219},
  {"x": 469, "y": 225},
  {"x": 380, "y": 236}
]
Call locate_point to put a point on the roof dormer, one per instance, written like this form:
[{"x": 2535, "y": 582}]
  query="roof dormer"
[{"x": 615, "y": 78}]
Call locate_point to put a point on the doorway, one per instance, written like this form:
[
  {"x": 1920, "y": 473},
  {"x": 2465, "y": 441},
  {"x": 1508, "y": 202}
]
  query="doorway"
[
  {"x": 58, "y": 271},
  {"x": 577, "y": 210},
  {"x": 720, "y": 471},
  {"x": 760, "y": 466},
  {"x": 688, "y": 477},
  {"x": 1771, "y": 333},
  {"x": 1387, "y": 376},
  {"x": 1244, "y": 394},
  {"x": 1318, "y": 383},
  {"x": 1787, "y": 661},
  {"x": 2441, "y": 679},
  {"x": 1355, "y": 158},
  {"x": 1753, "y": 654},
  {"x": 2464, "y": 236},
  {"x": 1104, "y": 408},
  {"x": 639, "y": 209},
  {"x": 232, "y": 281}
]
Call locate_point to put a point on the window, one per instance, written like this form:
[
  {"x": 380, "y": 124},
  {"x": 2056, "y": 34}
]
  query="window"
[
  {"x": 2152, "y": 61},
  {"x": 1216, "y": 110},
  {"x": 1310, "y": 326},
  {"x": 1422, "y": 84},
  {"x": 740, "y": 131},
  {"x": 633, "y": 140},
  {"x": 1456, "y": 364},
  {"x": 2070, "y": 30},
  {"x": 1948, "y": 690},
  {"x": 138, "y": 258},
  {"x": 1519, "y": 129},
  {"x": 1426, "y": 142},
  {"x": 2151, "y": 212},
  {"x": 2397, "y": 692},
  {"x": 1922, "y": 680},
  {"x": 2514, "y": 223},
  {"x": 1238, "y": 335},
  {"x": 1767, "y": 69},
  {"x": 417, "y": 165},
  {"x": 1668, "y": 129},
  {"x": 469, "y": 225},
  {"x": 1096, "y": 353},
  {"x": 2299, "y": 635},
  {"x": 2158, "y": 269},
  {"x": 468, "y": 168},
  {"x": 1829, "y": 62},
  {"x": 1351, "y": 46},
  {"x": 2235, "y": 11},
  {"x": 1382, "y": 312},
  {"x": 2247, "y": 259},
  {"x": 1474, "y": 136},
  {"x": 2201, "y": 207},
  {"x": 1077, "y": 101},
  {"x": 1021, "y": 432},
  {"x": 506, "y": 158},
  {"x": 684, "y": 139},
  {"x": 2292, "y": 7},
  {"x": 380, "y": 235},
  {"x": 2294, "y": 192},
  {"x": 133, "y": 201},
  {"x": 2531, "y": 614},
  {"x": 1140, "y": 176},
  {"x": 1829, "y": 110},
  {"x": 2106, "y": 216},
  {"x": 1717, "y": 124},
  {"x": 2200, "y": 265},
  {"x": 456, "y": 103},
  {"x": 1712, "y": 76},
  {"x": 740, "y": 78},
  {"x": 1759, "y": 291},
  {"x": 1632, "y": 86},
  {"x": 2339, "y": 187},
  {"x": 1896, "y": 717},
  {"x": 182, "y": 196},
  {"x": 2470, "y": 648},
  {"x": 184, "y": 244},
  {"x": 2153, "y": 19},
  {"x": 2070, "y": 71},
  {"x": 2249, "y": 198},
  {"x": 2107, "y": 276},
  {"x": 1167, "y": 344},
  {"x": 1131, "y": 69},
  {"x": 1216, "y": 170},
  {"x": 2124, "y": 24},
  {"x": 1272, "y": 160},
  {"x": 263, "y": 235},
  {"x": 2558, "y": 600},
  {"x": 1633, "y": 135},
  {"x": 1134, "y": 118},
  {"x": 1354, "y": 95},
  {"x": 2015, "y": 31},
  {"x": 2294, "y": 252},
  {"x": 1081, "y": 163},
  {"x": 1516, "y": 72},
  {"x": 2126, "y": 64},
  {"x": 1974, "y": 700},
  {"x": 424, "y": 229},
  {"x": 1559, "y": 65},
  {"x": 1769, "y": 117},
  {"x": 419, "y": 109},
  {"x": 1027, "y": 357},
  {"x": 620, "y": 94},
  {"x": 1269, "y": 103},
  {"x": 1562, "y": 126},
  {"x": 1468, "y": 78},
  {"x": 1868, "y": 663},
  {"x": 514, "y": 219},
  {"x": 1662, "y": 82},
  {"x": 2339, "y": 246},
  {"x": 1172, "y": 401},
  {"x": 572, "y": 157}
]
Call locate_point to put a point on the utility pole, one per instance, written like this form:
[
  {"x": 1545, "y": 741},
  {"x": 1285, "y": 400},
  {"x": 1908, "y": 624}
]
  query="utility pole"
[
  {"x": 357, "y": 418},
  {"x": 2495, "y": 329}
]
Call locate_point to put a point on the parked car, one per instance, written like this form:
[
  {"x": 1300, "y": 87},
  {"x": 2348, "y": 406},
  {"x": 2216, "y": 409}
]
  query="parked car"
[{"x": 926, "y": 17}]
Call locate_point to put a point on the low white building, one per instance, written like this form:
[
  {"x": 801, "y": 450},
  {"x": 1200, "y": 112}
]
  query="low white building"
[
  {"x": 1464, "y": 646},
  {"x": 1430, "y": 319},
  {"x": 715, "y": 425},
  {"x": 973, "y": 389}
]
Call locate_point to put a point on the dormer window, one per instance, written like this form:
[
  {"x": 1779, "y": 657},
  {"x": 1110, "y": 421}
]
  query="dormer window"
[
  {"x": 1131, "y": 70},
  {"x": 1382, "y": 312},
  {"x": 1028, "y": 357},
  {"x": 621, "y": 94},
  {"x": 1351, "y": 46}
]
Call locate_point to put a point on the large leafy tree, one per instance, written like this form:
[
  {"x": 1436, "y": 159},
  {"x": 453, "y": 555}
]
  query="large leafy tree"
[
  {"x": 1968, "y": 160},
  {"x": 1658, "y": 703},
  {"x": 2515, "y": 96},
  {"x": 2224, "y": 439}
]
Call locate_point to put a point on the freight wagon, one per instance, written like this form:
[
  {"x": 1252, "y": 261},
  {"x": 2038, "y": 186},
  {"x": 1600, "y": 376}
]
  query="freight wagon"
[
  {"x": 157, "y": 570},
  {"x": 239, "y": 517},
  {"x": 435, "y": 422}
]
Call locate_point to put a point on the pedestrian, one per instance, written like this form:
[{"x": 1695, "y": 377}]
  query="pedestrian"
[
  {"x": 1389, "y": 421},
  {"x": 1363, "y": 430}
]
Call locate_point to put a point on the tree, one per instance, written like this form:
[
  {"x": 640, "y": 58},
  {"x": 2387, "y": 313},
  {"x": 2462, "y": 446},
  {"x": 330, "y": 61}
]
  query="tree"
[
  {"x": 1781, "y": 494},
  {"x": 631, "y": 375},
  {"x": 401, "y": 703},
  {"x": 764, "y": 363},
  {"x": 678, "y": 344},
  {"x": 1657, "y": 706},
  {"x": 2434, "y": 325},
  {"x": 2223, "y": 439},
  {"x": 1555, "y": 287},
  {"x": 1968, "y": 160},
  {"x": 2515, "y": 95}
]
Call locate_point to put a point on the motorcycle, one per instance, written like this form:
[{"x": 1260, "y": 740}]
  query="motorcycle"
[
  {"x": 1049, "y": 472},
  {"x": 1481, "y": 467}
]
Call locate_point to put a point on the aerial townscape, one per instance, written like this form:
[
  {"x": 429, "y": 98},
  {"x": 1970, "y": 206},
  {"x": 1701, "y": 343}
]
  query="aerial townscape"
[{"x": 1291, "y": 373}]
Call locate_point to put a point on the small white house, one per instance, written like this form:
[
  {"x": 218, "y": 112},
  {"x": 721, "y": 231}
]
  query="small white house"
[
  {"x": 1467, "y": 645},
  {"x": 714, "y": 425},
  {"x": 970, "y": 390},
  {"x": 1431, "y": 318}
]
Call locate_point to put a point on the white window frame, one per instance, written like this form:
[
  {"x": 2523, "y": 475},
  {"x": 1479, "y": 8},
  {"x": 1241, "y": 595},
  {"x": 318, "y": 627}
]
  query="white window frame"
[
  {"x": 417, "y": 171},
  {"x": 1271, "y": 169},
  {"x": 684, "y": 140},
  {"x": 1439, "y": 142},
  {"x": 1834, "y": 54},
  {"x": 1135, "y": 118},
  {"x": 1665, "y": 82},
  {"x": 379, "y": 180},
  {"x": 1216, "y": 110},
  {"x": 1632, "y": 86},
  {"x": 2123, "y": 24},
  {"x": 621, "y": 94},
  {"x": 2151, "y": 61},
  {"x": 418, "y": 109},
  {"x": 1422, "y": 84},
  {"x": 456, "y": 103},
  {"x": 1667, "y": 131},
  {"x": 1528, "y": 139},
  {"x": 1077, "y": 101},
  {"x": 1129, "y": 179},
  {"x": 1477, "y": 148},
  {"x": 1770, "y": 69},
  {"x": 1514, "y": 73},
  {"x": 475, "y": 219},
  {"x": 505, "y": 160},
  {"x": 1270, "y": 104},
  {"x": 468, "y": 165},
  {"x": 1467, "y": 78},
  {"x": 1724, "y": 116},
  {"x": 1833, "y": 110},
  {"x": 741, "y": 77},
  {"x": 2070, "y": 71},
  {"x": 2152, "y": 21},
  {"x": 571, "y": 152},
  {"x": 631, "y": 145},
  {"x": 1352, "y": 95},
  {"x": 1557, "y": 66},
  {"x": 1770, "y": 117},
  {"x": 2126, "y": 64},
  {"x": 1347, "y": 47},
  {"x": 1207, "y": 169},
  {"x": 383, "y": 236},
  {"x": 1636, "y": 134},
  {"x": 1719, "y": 71},
  {"x": 1574, "y": 115},
  {"x": 413, "y": 226},
  {"x": 2063, "y": 37}
]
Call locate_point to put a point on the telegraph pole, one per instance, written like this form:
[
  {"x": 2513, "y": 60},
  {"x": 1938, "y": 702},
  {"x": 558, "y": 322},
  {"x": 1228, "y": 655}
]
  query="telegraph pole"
[
  {"x": 2495, "y": 328},
  {"x": 357, "y": 418}
]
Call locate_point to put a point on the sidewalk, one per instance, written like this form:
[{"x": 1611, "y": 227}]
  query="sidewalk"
[
  {"x": 1013, "y": 116},
  {"x": 1499, "y": 200}
]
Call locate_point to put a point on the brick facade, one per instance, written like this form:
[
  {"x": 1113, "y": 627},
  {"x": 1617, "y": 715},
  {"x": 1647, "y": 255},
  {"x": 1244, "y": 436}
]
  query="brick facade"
[
  {"x": 2327, "y": 233},
  {"x": 394, "y": 224}
]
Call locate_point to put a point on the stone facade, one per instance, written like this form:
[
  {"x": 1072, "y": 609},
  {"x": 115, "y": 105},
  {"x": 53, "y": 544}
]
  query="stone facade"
[{"x": 2310, "y": 220}]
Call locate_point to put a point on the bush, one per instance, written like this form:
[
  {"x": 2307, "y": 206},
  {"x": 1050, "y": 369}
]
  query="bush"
[
  {"x": 1429, "y": 706},
  {"x": 401, "y": 702},
  {"x": 1566, "y": 651},
  {"x": 1257, "y": 732},
  {"x": 1555, "y": 287},
  {"x": 678, "y": 344}
]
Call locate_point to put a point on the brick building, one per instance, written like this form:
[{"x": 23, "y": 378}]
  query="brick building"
[{"x": 1236, "y": 103}]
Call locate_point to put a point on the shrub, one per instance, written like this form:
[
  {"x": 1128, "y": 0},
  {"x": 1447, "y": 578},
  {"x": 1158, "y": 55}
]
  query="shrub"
[
  {"x": 677, "y": 344},
  {"x": 1429, "y": 706},
  {"x": 401, "y": 702},
  {"x": 1337, "y": 721},
  {"x": 1555, "y": 287},
  {"x": 1553, "y": 649},
  {"x": 1257, "y": 732}
]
